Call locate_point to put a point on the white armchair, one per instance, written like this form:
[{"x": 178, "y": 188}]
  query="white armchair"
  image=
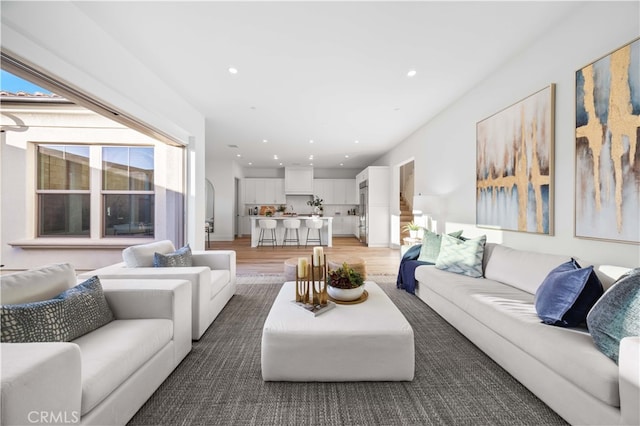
[{"x": 212, "y": 277}]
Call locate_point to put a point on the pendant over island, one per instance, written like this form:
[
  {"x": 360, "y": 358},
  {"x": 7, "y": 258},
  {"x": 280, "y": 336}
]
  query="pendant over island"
[{"x": 326, "y": 231}]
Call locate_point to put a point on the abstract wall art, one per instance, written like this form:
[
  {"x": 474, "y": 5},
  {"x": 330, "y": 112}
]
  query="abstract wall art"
[
  {"x": 514, "y": 166},
  {"x": 607, "y": 163}
]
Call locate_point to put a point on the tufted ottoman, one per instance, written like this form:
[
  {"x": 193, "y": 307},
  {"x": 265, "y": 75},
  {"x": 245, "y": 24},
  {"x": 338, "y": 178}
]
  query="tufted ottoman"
[{"x": 370, "y": 341}]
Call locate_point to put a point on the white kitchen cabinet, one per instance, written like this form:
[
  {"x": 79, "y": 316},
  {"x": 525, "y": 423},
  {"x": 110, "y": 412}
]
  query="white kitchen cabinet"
[
  {"x": 298, "y": 180},
  {"x": 345, "y": 191},
  {"x": 323, "y": 188},
  {"x": 264, "y": 191}
]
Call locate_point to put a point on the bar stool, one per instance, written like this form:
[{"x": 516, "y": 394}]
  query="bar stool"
[
  {"x": 289, "y": 226},
  {"x": 314, "y": 224},
  {"x": 267, "y": 224}
]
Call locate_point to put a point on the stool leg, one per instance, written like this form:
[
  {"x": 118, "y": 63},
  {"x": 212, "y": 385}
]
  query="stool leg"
[
  {"x": 260, "y": 237},
  {"x": 307, "y": 240},
  {"x": 297, "y": 238},
  {"x": 273, "y": 238}
]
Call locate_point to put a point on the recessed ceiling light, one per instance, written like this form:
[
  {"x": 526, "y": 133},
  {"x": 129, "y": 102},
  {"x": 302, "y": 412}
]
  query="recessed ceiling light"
[
  {"x": 411, "y": 73},
  {"x": 311, "y": 157},
  {"x": 250, "y": 163},
  {"x": 311, "y": 141},
  {"x": 233, "y": 70},
  {"x": 311, "y": 164},
  {"x": 357, "y": 142},
  {"x": 341, "y": 164},
  {"x": 264, "y": 141},
  {"x": 275, "y": 156},
  {"x": 346, "y": 156},
  {"x": 238, "y": 155},
  {"x": 281, "y": 164}
]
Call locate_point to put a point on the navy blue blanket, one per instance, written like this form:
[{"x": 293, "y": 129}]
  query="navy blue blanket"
[{"x": 406, "y": 272}]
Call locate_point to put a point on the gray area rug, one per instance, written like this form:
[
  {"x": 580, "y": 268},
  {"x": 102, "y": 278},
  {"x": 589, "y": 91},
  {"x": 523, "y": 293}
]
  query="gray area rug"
[{"x": 220, "y": 381}]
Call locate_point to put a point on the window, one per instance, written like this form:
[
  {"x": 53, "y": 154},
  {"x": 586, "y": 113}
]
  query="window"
[
  {"x": 125, "y": 181},
  {"x": 63, "y": 190},
  {"x": 127, "y": 188}
]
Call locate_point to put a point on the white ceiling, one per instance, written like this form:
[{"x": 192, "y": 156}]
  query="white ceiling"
[{"x": 331, "y": 72}]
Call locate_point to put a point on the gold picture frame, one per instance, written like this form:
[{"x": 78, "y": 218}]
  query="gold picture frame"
[
  {"x": 607, "y": 152},
  {"x": 515, "y": 165}
]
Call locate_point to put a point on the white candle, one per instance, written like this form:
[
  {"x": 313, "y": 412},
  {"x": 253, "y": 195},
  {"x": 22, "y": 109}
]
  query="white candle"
[
  {"x": 302, "y": 267},
  {"x": 318, "y": 256}
]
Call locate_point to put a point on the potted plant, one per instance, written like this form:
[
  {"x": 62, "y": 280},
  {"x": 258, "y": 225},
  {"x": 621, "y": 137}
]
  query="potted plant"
[
  {"x": 413, "y": 229},
  {"x": 316, "y": 203},
  {"x": 345, "y": 284},
  {"x": 281, "y": 209}
]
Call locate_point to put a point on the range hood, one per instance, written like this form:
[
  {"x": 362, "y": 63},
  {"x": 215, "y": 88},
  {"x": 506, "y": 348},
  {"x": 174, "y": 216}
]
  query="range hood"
[{"x": 298, "y": 180}]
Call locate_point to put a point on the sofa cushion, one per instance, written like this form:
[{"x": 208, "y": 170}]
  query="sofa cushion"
[
  {"x": 462, "y": 257},
  {"x": 36, "y": 284},
  {"x": 510, "y": 313},
  {"x": 142, "y": 254},
  {"x": 616, "y": 315},
  {"x": 113, "y": 353},
  {"x": 179, "y": 258},
  {"x": 71, "y": 314},
  {"x": 519, "y": 268},
  {"x": 431, "y": 242},
  {"x": 567, "y": 294}
]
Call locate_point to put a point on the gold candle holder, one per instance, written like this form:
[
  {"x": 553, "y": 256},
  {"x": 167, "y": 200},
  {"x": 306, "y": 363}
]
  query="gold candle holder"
[
  {"x": 319, "y": 282},
  {"x": 302, "y": 284}
]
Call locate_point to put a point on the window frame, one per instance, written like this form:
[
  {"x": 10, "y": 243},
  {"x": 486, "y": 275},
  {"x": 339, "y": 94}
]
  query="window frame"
[{"x": 97, "y": 227}]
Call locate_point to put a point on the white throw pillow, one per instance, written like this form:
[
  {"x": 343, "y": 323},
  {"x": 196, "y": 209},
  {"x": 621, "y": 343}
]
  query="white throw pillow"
[
  {"x": 36, "y": 285},
  {"x": 141, "y": 256}
]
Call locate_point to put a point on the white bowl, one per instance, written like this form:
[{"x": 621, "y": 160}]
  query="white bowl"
[{"x": 345, "y": 294}]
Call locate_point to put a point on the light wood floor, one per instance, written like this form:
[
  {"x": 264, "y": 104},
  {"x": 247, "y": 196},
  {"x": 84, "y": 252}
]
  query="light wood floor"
[{"x": 268, "y": 260}]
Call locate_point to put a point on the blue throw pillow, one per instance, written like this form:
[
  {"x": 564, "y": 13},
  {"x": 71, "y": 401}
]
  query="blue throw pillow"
[
  {"x": 616, "y": 315},
  {"x": 69, "y": 315},
  {"x": 567, "y": 294},
  {"x": 179, "y": 258}
]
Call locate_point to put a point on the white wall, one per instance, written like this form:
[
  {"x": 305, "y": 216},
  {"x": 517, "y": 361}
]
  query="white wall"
[
  {"x": 444, "y": 148},
  {"x": 19, "y": 248},
  {"x": 59, "y": 39}
]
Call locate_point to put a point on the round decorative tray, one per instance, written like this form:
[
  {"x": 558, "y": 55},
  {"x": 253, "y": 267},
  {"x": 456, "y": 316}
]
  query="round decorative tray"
[{"x": 365, "y": 296}]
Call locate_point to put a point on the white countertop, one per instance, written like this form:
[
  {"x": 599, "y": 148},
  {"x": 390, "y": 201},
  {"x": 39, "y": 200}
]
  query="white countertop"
[{"x": 290, "y": 217}]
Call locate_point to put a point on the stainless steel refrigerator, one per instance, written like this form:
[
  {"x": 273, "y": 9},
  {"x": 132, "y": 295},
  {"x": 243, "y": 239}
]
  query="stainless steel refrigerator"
[{"x": 364, "y": 212}]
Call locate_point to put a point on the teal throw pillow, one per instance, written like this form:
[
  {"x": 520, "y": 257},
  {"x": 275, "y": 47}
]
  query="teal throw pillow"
[
  {"x": 616, "y": 314},
  {"x": 431, "y": 245},
  {"x": 180, "y": 258},
  {"x": 69, "y": 315},
  {"x": 566, "y": 294},
  {"x": 462, "y": 257}
]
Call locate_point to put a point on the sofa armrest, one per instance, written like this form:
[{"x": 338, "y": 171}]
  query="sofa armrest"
[
  {"x": 217, "y": 260},
  {"x": 629, "y": 371},
  {"x": 41, "y": 383},
  {"x": 160, "y": 298}
]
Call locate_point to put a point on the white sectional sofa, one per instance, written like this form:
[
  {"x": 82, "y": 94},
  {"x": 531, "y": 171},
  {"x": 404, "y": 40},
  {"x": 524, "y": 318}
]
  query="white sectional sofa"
[
  {"x": 102, "y": 377},
  {"x": 212, "y": 277},
  {"x": 562, "y": 366}
]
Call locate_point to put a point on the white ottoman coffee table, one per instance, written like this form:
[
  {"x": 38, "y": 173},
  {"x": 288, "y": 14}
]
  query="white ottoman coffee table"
[{"x": 370, "y": 341}]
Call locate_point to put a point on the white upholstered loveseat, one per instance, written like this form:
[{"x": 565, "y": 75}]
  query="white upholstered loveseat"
[
  {"x": 212, "y": 277},
  {"x": 561, "y": 366},
  {"x": 102, "y": 377}
]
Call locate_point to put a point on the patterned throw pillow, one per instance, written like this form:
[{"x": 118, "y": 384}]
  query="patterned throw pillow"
[
  {"x": 462, "y": 257},
  {"x": 71, "y": 314},
  {"x": 431, "y": 245},
  {"x": 616, "y": 314},
  {"x": 179, "y": 258},
  {"x": 566, "y": 295}
]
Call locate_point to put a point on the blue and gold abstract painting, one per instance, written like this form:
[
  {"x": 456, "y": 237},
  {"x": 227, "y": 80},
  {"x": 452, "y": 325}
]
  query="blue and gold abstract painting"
[
  {"x": 514, "y": 166},
  {"x": 607, "y": 194}
]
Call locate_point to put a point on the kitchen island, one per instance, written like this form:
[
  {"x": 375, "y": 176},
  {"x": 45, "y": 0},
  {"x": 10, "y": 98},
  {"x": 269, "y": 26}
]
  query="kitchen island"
[{"x": 326, "y": 231}]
